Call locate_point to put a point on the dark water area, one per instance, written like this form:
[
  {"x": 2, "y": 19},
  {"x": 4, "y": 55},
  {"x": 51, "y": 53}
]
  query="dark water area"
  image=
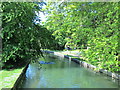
[{"x": 64, "y": 74}]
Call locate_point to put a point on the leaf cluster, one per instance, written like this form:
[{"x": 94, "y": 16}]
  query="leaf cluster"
[
  {"x": 22, "y": 39},
  {"x": 91, "y": 26}
]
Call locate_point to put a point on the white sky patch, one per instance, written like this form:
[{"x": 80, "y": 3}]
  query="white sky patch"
[{"x": 42, "y": 16}]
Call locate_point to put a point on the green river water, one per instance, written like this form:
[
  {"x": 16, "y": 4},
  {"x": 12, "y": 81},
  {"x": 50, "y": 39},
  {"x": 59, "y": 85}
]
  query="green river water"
[{"x": 64, "y": 74}]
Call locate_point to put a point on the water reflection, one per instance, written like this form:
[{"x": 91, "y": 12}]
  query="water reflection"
[{"x": 64, "y": 74}]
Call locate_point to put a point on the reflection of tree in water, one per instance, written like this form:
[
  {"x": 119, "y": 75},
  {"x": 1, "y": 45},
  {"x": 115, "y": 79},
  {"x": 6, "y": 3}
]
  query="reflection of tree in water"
[{"x": 67, "y": 72}]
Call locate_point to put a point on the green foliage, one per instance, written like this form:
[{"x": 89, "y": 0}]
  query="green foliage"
[
  {"x": 84, "y": 24},
  {"x": 22, "y": 39}
]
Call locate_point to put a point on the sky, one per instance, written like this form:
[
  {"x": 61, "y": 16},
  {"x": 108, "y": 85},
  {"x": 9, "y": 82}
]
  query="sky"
[{"x": 40, "y": 16}]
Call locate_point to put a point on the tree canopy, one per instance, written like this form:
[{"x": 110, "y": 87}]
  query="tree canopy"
[
  {"x": 89, "y": 26},
  {"x": 21, "y": 37},
  {"x": 92, "y": 25}
]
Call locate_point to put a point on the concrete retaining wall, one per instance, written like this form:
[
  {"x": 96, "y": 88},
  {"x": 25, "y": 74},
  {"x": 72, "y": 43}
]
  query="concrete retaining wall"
[
  {"x": 20, "y": 78},
  {"x": 86, "y": 65}
]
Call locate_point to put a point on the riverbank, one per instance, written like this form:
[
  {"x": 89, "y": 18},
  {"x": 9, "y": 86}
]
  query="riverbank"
[
  {"x": 81, "y": 60},
  {"x": 78, "y": 55},
  {"x": 9, "y": 77}
]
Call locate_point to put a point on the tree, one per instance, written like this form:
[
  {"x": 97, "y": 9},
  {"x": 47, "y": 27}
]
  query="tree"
[
  {"x": 86, "y": 24},
  {"x": 22, "y": 38}
]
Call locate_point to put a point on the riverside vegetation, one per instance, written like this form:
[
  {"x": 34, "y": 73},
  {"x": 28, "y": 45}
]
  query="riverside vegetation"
[{"x": 91, "y": 27}]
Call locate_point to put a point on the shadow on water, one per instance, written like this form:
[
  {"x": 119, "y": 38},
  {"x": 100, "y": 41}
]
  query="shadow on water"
[{"x": 63, "y": 74}]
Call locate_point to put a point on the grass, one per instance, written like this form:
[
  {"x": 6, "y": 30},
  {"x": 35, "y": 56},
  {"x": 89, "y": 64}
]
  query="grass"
[
  {"x": 8, "y": 77},
  {"x": 72, "y": 53},
  {"x": 76, "y": 57}
]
